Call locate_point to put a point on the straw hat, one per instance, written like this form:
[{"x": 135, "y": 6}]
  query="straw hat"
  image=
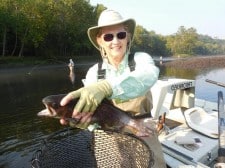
[{"x": 109, "y": 18}]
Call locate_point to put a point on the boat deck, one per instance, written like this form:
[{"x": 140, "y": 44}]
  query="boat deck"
[{"x": 175, "y": 97}]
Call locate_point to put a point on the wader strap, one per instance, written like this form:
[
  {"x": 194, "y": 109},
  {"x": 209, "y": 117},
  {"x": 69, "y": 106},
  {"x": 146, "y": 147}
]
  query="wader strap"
[
  {"x": 131, "y": 64},
  {"x": 101, "y": 72}
]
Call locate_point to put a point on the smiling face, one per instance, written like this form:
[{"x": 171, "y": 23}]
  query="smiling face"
[{"x": 113, "y": 40}]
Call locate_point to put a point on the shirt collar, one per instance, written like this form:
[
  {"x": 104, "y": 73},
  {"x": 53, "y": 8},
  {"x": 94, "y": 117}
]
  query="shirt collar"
[{"x": 123, "y": 64}]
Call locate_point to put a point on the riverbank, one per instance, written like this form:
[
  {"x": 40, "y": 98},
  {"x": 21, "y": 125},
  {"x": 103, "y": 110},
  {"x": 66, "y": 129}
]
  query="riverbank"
[
  {"x": 16, "y": 62},
  {"x": 206, "y": 62},
  {"x": 194, "y": 62}
]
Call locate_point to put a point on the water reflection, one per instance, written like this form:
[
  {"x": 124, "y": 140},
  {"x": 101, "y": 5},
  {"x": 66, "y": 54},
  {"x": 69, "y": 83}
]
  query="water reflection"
[
  {"x": 203, "y": 89},
  {"x": 22, "y": 90},
  {"x": 170, "y": 72},
  {"x": 207, "y": 90}
]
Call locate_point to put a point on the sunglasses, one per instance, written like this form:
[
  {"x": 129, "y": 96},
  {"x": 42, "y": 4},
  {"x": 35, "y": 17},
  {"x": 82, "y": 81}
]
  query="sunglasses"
[{"x": 120, "y": 36}]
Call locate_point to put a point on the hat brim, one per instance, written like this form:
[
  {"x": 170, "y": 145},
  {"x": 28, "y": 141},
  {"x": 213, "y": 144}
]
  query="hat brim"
[{"x": 93, "y": 31}]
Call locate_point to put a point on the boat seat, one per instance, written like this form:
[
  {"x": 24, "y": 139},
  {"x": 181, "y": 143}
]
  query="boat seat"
[{"x": 201, "y": 121}]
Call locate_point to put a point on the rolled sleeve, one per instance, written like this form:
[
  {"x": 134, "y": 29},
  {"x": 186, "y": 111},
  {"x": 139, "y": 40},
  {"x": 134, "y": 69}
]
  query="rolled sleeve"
[{"x": 139, "y": 81}]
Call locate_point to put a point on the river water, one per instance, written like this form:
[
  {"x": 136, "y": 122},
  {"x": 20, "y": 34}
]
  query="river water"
[{"x": 21, "y": 92}]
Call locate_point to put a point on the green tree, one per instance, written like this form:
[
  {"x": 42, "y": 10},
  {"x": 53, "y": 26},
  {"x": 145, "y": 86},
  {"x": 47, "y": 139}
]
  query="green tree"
[
  {"x": 141, "y": 39},
  {"x": 6, "y": 21},
  {"x": 183, "y": 42},
  {"x": 59, "y": 28},
  {"x": 149, "y": 42}
]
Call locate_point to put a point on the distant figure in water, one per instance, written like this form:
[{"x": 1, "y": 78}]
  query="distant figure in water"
[{"x": 72, "y": 74}]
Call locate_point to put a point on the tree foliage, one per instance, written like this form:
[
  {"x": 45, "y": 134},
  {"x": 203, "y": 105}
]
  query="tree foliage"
[{"x": 59, "y": 28}]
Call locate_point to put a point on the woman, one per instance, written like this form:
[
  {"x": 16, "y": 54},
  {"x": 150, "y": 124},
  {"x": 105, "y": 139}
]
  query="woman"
[
  {"x": 129, "y": 90},
  {"x": 126, "y": 84}
]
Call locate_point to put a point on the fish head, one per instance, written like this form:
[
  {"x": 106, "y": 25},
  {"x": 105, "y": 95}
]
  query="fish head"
[{"x": 54, "y": 109}]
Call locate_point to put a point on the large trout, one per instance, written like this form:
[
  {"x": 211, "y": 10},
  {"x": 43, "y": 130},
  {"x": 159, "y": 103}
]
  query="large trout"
[{"x": 106, "y": 115}]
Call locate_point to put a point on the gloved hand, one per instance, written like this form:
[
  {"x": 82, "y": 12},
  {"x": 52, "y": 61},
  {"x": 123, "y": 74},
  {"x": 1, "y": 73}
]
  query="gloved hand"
[{"x": 90, "y": 96}]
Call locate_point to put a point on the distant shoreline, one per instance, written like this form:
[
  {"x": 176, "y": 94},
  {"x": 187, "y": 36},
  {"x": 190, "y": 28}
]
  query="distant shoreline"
[
  {"x": 197, "y": 62},
  {"x": 21, "y": 62},
  {"x": 193, "y": 62}
]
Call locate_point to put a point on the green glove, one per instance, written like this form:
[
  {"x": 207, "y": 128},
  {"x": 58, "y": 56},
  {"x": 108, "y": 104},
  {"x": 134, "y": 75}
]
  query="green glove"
[{"x": 91, "y": 96}]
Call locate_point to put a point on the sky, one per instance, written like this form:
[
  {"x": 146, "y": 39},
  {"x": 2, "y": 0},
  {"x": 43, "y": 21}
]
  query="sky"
[{"x": 166, "y": 16}]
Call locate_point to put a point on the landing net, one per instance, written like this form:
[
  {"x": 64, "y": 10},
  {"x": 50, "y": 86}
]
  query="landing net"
[{"x": 81, "y": 148}]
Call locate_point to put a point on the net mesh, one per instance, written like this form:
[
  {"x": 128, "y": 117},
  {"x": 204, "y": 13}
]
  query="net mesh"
[{"x": 81, "y": 148}]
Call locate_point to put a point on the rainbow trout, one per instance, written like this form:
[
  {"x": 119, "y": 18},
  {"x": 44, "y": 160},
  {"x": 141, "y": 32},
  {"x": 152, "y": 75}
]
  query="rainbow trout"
[{"x": 106, "y": 116}]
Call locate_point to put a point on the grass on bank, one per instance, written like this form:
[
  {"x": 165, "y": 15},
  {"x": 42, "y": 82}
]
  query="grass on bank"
[{"x": 22, "y": 61}]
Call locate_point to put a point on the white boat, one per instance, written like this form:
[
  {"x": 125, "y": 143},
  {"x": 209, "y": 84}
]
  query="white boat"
[{"x": 192, "y": 137}]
